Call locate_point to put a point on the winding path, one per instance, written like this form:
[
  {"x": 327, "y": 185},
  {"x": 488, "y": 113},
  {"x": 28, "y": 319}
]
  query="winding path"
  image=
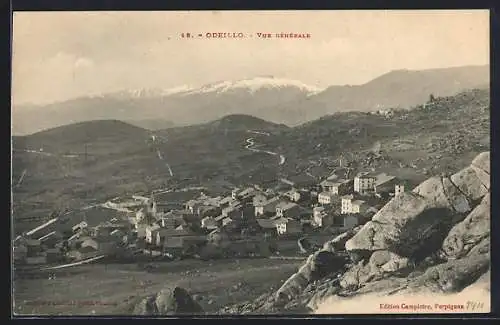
[{"x": 251, "y": 146}]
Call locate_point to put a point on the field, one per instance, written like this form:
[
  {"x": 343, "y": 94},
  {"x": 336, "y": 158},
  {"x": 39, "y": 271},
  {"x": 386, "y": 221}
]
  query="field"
[{"x": 111, "y": 289}]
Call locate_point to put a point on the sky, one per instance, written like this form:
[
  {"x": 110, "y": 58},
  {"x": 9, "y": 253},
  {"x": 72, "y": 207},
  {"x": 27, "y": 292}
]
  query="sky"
[{"x": 62, "y": 55}]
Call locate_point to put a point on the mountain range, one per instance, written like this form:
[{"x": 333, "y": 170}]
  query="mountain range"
[
  {"x": 79, "y": 163},
  {"x": 277, "y": 100}
]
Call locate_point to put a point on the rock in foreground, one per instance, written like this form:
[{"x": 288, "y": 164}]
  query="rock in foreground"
[{"x": 170, "y": 301}]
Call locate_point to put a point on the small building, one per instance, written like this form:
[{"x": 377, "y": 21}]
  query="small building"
[
  {"x": 234, "y": 193},
  {"x": 385, "y": 183},
  {"x": 227, "y": 221},
  {"x": 224, "y": 202},
  {"x": 267, "y": 226},
  {"x": 364, "y": 183},
  {"x": 259, "y": 200},
  {"x": 218, "y": 237},
  {"x": 140, "y": 230},
  {"x": 171, "y": 219},
  {"x": 209, "y": 223},
  {"x": 322, "y": 218},
  {"x": 247, "y": 194},
  {"x": 293, "y": 195},
  {"x": 208, "y": 210},
  {"x": 151, "y": 233},
  {"x": 326, "y": 198},
  {"x": 346, "y": 204},
  {"x": 79, "y": 226},
  {"x": 180, "y": 240},
  {"x": 284, "y": 207},
  {"x": 83, "y": 253},
  {"x": 288, "y": 226},
  {"x": 359, "y": 206},
  {"x": 338, "y": 186},
  {"x": 268, "y": 207},
  {"x": 102, "y": 244},
  {"x": 398, "y": 189}
]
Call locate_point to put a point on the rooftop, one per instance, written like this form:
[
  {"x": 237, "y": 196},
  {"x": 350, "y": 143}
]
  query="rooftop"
[
  {"x": 266, "y": 223},
  {"x": 247, "y": 191},
  {"x": 48, "y": 223},
  {"x": 366, "y": 175},
  {"x": 282, "y": 220},
  {"x": 383, "y": 178},
  {"x": 286, "y": 205},
  {"x": 358, "y": 202}
]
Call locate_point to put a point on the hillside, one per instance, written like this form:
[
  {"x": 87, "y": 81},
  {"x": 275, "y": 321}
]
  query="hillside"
[
  {"x": 396, "y": 89},
  {"x": 72, "y": 138},
  {"x": 152, "y": 124},
  {"x": 430, "y": 139},
  {"x": 273, "y": 99}
]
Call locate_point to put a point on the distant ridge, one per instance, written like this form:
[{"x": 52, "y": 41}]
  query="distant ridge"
[{"x": 273, "y": 99}]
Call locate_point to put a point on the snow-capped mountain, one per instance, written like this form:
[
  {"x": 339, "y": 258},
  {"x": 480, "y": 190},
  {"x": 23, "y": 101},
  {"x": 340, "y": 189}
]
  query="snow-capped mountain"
[
  {"x": 148, "y": 92},
  {"x": 277, "y": 100},
  {"x": 256, "y": 84}
]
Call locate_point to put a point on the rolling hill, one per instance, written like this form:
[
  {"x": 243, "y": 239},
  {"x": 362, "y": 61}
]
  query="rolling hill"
[
  {"x": 122, "y": 159},
  {"x": 273, "y": 99},
  {"x": 104, "y": 134}
]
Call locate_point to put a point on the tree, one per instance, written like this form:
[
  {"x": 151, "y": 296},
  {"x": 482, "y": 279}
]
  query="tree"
[{"x": 431, "y": 98}]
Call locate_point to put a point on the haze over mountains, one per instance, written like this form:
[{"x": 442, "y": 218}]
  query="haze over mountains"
[{"x": 277, "y": 100}]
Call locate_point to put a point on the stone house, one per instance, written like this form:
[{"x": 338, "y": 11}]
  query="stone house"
[
  {"x": 338, "y": 187},
  {"x": 326, "y": 198},
  {"x": 364, "y": 183}
]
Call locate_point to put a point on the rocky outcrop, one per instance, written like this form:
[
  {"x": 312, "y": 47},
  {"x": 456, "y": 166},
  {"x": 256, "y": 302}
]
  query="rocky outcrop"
[
  {"x": 452, "y": 276},
  {"x": 434, "y": 239},
  {"x": 338, "y": 243},
  {"x": 468, "y": 233},
  {"x": 469, "y": 183},
  {"x": 169, "y": 301},
  {"x": 318, "y": 265},
  {"x": 412, "y": 224}
]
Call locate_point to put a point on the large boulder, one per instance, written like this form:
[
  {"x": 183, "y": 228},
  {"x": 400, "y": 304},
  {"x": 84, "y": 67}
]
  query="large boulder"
[
  {"x": 469, "y": 183},
  {"x": 338, "y": 243},
  {"x": 146, "y": 306},
  {"x": 451, "y": 276},
  {"x": 482, "y": 161},
  {"x": 483, "y": 177},
  {"x": 433, "y": 191},
  {"x": 406, "y": 225},
  {"x": 317, "y": 266},
  {"x": 387, "y": 262},
  {"x": 169, "y": 301},
  {"x": 458, "y": 201},
  {"x": 176, "y": 301},
  {"x": 470, "y": 232},
  {"x": 356, "y": 275}
]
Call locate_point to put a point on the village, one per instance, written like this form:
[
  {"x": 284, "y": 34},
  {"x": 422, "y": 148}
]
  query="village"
[{"x": 248, "y": 221}]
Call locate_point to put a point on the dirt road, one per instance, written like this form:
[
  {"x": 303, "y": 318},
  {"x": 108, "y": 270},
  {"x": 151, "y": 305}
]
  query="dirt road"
[{"x": 111, "y": 289}]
